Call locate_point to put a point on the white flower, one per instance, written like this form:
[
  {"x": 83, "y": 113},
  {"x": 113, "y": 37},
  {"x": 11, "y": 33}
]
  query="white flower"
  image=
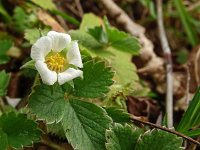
[{"x": 52, "y": 63}]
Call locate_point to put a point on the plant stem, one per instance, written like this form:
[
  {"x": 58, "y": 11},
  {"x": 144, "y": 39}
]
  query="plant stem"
[
  {"x": 167, "y": 53},
  {"x": 134, "y": 119}
]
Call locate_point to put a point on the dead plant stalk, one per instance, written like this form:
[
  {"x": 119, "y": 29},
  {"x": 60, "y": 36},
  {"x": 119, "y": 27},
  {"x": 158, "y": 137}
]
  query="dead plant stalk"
[{"x": 169, "y": 70}]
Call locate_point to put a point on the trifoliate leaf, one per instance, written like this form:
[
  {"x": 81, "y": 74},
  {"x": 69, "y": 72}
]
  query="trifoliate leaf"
[
  {"x": 118, "y": 115},
  {"x": 19, "y": 130},
  {"x": 97, "y": 78},
  {"x": 47, "y": 102},
  {"x": 4, "y": 81},
  {"x": 85, "y": 125},
  {"x": 3, "y": 140},
  {"x": 159, "y": 140},
  {"x": 46, "y": 4},
  {"x": 122, "y": 137}
]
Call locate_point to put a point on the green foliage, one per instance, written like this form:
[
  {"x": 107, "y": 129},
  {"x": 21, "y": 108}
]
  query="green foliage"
[
  {"x": 158, "y": 140},
  {"x": 20, "y": 19},
  {"x": 122, "y": 137},
  {"x": 112, "y": 37},
  {"x": 17, "y": 131},
  {"x": 186, "y": 21},
  {"x": 56, "y": 129},
  {"x": 66, "y": 17},
  {"x": 5, "y": 46},
  {"x": 45, "y": 4},
  {"x": 47, "y": 102},
  {"x": 3, "y": 140},
  {"x": 93, "y": 22},
  {"x": 4, "y": 81},
  {"x": 85, "y": 125},
  {"x": 32, "y": 35},
  {"x": 191, "y": 118},
  {"x": 111, "y": 44},
  {"x": 125, "y": 69},
  {"x": 4, "y": 13},
  {"x": 118, "y": 115},
  {"x": 151, "y": 6},
  {"x": 96, "y": 80},
  {"x": 86, "y": 40}
]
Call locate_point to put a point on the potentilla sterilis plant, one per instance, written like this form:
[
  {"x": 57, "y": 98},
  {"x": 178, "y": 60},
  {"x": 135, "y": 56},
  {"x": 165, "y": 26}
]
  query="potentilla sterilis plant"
[{"x": 53, "y": 62}]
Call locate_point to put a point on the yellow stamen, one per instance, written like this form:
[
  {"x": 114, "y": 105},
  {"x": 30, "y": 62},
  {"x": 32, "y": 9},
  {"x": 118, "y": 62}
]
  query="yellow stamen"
[{"x": 55, "y": 62}]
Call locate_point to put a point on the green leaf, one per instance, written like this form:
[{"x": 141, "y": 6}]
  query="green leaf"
[
  {"x": 20, "y": 19},
  {"x": 67, "y": 17},
  {"x": 85, "y": 39},
  {"x": 122, "y": 137},
  {"x": 5, "y": 46},
  {"x": 19, "y": 130},
  {"x": 3, "y": 140},
  {"x": 89, "y": 21},
  {"x": 193, "y": 133},
  {"x": 99, "y": 34},
  {"x": 97, "y": 78},
  {"x": 85, "y": 125},
  {"x": 4, "y": 59},
  {"x": 46, "y": 4},
  {"x": 32, "y": 35},
  {"x": 30, "y": 65},
  {"x": 4, "y": 81},
  {"x": 125, "y": 69},
  {"x": 185, "y": 19},
  {"x": 122, "y": 41},
  {"x": 191, "y": 117},
  {"x": 159, "y": 140},
  {"x": 118, "y": 115},
  {"x": 56, "y": 129},
  {"x": 47, "y": 102}
]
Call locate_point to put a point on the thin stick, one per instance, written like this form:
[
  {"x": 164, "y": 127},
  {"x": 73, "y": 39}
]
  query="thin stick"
[
  {"x": 167, "y": 53},
  {"x": 165, "y": 129},
  {"x": 187, "y": 85}
]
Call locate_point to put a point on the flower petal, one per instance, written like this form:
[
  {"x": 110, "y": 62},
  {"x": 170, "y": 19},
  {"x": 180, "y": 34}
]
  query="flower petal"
[
  {"x": 59, "y": 40},
  {"x": 48, "y": 77},
  {"x": 41, "y": 48},
  {"x": 74, "y": 56},
  {"x": 68, "y": 75}
]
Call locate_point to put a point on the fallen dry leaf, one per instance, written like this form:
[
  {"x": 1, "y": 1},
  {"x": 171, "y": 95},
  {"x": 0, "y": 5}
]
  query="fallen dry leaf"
[{"x": 49, "y": 21}]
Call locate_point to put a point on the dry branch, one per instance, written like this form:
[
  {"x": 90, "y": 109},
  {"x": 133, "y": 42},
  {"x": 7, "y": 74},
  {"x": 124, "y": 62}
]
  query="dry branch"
[{"x": 168, "y": 58}]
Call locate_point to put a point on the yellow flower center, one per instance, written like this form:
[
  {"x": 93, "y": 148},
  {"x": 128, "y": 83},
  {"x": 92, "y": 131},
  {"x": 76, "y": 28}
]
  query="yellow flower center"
[{"x": 55, "y": 62}]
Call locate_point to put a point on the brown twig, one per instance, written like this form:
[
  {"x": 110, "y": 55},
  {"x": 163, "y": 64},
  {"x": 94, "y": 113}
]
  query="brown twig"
[
  {"x": 187, "y": 91},
  {"x": 168, "y": 58},
  {"x": 79, "y": 7},
  {"x": 165, "y": 129}
]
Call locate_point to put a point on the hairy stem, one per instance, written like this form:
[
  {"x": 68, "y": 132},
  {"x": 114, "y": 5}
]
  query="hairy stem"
[{"x": 134, "y": 119}]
